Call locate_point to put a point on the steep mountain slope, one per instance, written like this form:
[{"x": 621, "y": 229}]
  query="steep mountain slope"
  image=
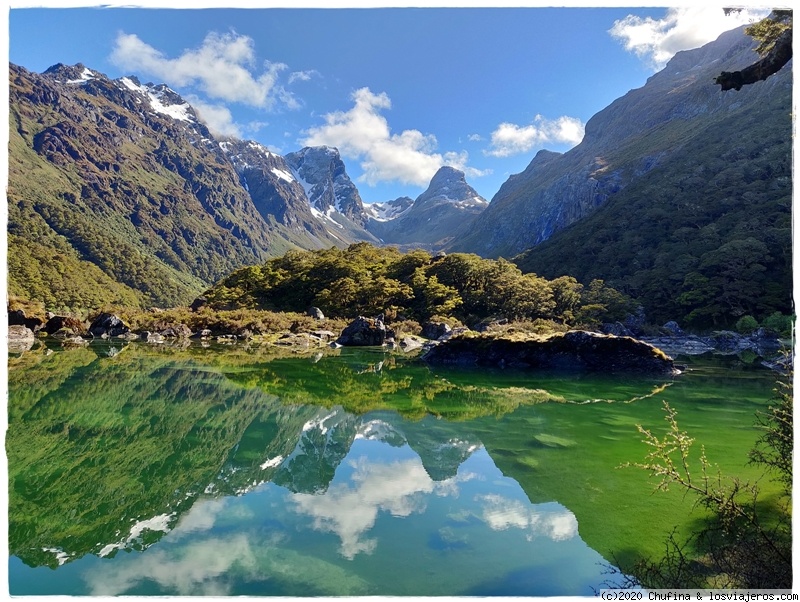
[
  {"x": 333, "y": 197},
  {"x": 446, "y": 205},
  {"x": 118, "y": 194},
  {"x": 680, "y": 195},
  {"x": 278, "y": 196},
  {"x": 622, "y": 144}
]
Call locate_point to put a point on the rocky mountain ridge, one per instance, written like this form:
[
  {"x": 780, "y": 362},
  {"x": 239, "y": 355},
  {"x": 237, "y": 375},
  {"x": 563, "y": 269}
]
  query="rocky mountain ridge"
[{"x": 122, "y": 184}]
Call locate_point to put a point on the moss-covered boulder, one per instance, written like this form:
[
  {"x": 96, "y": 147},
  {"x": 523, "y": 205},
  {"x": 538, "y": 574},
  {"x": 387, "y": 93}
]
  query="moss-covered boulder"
[{"x": 573, "y": 350}]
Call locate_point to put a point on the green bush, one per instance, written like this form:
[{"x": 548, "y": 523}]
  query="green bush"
[{"x": 746, "y": 324}]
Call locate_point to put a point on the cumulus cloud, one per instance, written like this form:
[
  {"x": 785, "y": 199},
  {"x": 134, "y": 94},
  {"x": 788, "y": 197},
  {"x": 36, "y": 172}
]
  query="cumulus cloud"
[
  {"x": 512, "y": 139},
  {"x": 350, "y": 511},
  {"x": 363, "y": 133},
  {"x": 656, "y": 41},
  {"x": 549, "y": 520},
  {"x": 218, "y": 118},
  {"x": 224, "y": 67}
]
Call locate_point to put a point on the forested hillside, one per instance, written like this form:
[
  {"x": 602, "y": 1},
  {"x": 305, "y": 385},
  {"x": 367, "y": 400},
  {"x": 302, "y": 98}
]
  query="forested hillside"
[{"x": 367, "y": 280}]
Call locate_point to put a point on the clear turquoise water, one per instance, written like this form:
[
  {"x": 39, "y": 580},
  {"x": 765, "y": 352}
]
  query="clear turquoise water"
[{"x": 210, "y": 472}]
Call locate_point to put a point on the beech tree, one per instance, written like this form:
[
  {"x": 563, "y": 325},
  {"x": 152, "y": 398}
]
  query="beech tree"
[{"x": 775, "y": 36}]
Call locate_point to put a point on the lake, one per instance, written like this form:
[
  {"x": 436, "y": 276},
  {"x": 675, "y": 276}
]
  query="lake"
[{"x": 139, "y": 470}]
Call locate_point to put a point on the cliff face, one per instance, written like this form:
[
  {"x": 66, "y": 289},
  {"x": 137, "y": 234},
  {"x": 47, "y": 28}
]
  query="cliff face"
[{"x": 623, "y": 143}]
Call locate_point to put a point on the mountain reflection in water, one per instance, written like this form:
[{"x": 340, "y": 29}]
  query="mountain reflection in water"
[{"x": 159, "y": 473}]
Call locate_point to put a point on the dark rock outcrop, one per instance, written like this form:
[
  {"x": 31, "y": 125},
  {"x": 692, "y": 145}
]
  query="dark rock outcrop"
[
  {"x": 573, "y": 350},
  {"x": 435, "y": 330},
  {"x": 17, "y": 317},
  {"x": 61, "y": 323},
  {"x": 107, "y": 325},
  {"x": 365, "y": 332}
]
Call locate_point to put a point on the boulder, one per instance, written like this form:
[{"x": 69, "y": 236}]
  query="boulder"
[
  {"x": 60, "y": 323},
  {"x": 365, "y": 332},
  {"x": 107, "y": 325},
  {"x": 316, "y": 313},
  {"x": 435, "y": 330},
  {"x": 177, "y": 331},
  {"x": 18, "y": 318},
  {"x": 152, "y": 337},
  {"x": 573, "y": 350},
  {"x": 198, "y": 303},
  {"x": 617, "y": 329},
  {"x": 20, "y": 338},
  {"x": 410, "y": 343},
  {"x": 673, "y": 329},
  {"x": 20, "y": 332}
]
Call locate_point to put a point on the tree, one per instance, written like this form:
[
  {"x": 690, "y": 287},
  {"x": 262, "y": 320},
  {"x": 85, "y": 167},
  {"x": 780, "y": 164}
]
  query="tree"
[
  {"x": 747, "y": 541},
  {"x": 775, "y": 36}
]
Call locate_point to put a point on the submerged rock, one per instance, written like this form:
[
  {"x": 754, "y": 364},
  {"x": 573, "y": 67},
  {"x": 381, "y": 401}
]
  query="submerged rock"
[{"x": 573, "y": 350}]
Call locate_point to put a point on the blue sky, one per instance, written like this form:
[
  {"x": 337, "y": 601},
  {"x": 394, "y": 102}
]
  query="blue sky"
[{"x": 399, "y": 91}]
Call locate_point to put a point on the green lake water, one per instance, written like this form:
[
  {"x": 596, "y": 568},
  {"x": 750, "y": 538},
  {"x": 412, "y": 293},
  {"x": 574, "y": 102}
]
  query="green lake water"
[{"x": 226, "y": 471}]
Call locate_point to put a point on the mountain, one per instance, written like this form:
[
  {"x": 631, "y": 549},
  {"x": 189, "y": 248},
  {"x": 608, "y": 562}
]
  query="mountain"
[
  {"x": 623, "y": 143},
  {"x": 679, "y": 195},
  {"x": 118, "y": 186},
  {"x": 438, "y": 212},
  {"x": 388, "y": 210},
  {"x": 332, "y": 196}
]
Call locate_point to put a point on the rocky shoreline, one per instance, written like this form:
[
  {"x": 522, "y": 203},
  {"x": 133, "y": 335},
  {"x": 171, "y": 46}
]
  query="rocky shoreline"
[{"x": 762, "y": 345}]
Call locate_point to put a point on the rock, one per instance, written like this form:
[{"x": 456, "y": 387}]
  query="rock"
[
  {"x": 74, "y": 341},
  {"x": 673, "y": 329},
  {"x": 18, "y": 318},
  {"x": 435, "y": 330},
  {"x": 20, "y": 332},
  {"x": 325, "y": 335},
  {"x": 765, "y": 341},
  {"x": 685, "y": 345},
  {"x": 727, "y": 341},
  {"x": 316, "y": 313},
  {"x": 152, "y": 337},
  {"x": 410, "y": 343},
  {"x": 198, "y": 303},
  {"x": 364, "y": 332},
  {"x": 573, "y": 350},
  {"x": 58, "y": 323},
  {"x": 177, "y": 331},
  {"x": 107, "y": 325},
  {"x": 205, "y": 333},
  {"x": 635, "y": 322},
  {"x": 618, "y": 329},
  {"x": 20, "y": 338}
]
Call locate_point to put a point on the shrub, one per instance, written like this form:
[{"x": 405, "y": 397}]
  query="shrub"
[{"x": 746, "y": 324}]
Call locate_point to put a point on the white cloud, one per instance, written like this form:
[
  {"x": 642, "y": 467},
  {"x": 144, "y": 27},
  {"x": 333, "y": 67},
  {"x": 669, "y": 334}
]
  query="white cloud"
[
  {"x": 350, "y": 511},
  {"x": 548, "y": 520},
  {"x": 363, "y": 133},
  {"x": 302, "y": 76},
  {"x": 474, "y": 137},
  {"x": 196, "y": 570},
  {"x": 656, "y": 41},
  {"x": 217, "y": 117},
  {"x": 511, "y": 139},
  {"x": 224, "y": 67}
]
